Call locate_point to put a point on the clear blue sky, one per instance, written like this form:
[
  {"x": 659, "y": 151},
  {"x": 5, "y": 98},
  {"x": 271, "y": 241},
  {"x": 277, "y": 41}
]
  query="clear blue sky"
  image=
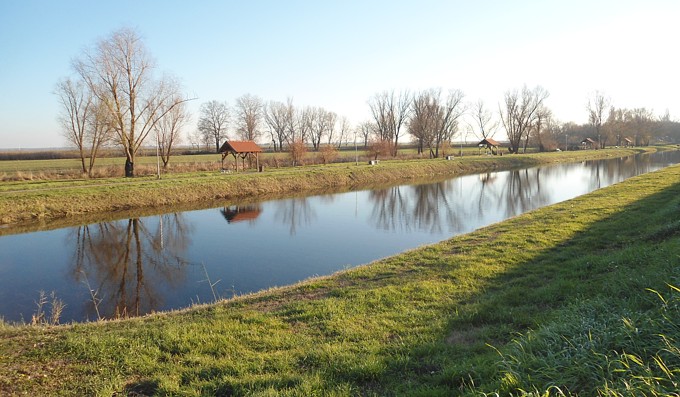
[{"x": 337, "y": 54}]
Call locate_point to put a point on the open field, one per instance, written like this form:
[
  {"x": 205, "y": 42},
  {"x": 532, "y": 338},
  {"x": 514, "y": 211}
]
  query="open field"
[
  {"x": 571, "y": 299},
  {"x": 45, "y": 200},
  {"x": 146, "y": 164}
]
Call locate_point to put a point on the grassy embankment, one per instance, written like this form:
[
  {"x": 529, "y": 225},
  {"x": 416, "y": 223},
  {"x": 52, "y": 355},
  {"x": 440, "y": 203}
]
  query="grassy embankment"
[
  {"x": 555, "y": 300},
  {"x": 25, "y": 202}
]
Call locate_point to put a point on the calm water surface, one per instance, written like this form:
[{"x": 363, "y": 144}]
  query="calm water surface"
[{"x": 154, "y": 263}]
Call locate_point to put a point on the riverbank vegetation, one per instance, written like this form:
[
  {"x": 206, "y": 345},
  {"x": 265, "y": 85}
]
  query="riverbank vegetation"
[
  {"x": 40, "y": 201},
  {"x": 578, "y": 298}
]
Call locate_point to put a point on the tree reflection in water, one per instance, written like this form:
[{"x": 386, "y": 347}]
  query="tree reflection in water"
[
  {"x": 295, "y": 212},
  {"x": 451, "y": 205},
  {"x": 127, "y": 263}
]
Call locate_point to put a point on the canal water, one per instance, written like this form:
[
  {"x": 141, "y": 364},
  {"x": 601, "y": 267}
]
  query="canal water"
[{"x": 136, "y": 266}]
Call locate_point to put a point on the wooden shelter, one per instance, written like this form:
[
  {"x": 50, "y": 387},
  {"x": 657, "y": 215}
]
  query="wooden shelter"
[
  {"x": 627, "y": 142},
  {"x": 589, "y": 143},
  {"x": 489, "y": 144},
  {"x": 242, "y": 149},
  {"x": 237, "y": 213}
]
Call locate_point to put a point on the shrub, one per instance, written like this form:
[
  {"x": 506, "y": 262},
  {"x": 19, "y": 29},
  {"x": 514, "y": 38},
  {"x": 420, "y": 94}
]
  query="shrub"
[
  {"x": 297, "y": 152},
  {"x": 381, "y": 148},
  {"x": 328, "y": 153}
]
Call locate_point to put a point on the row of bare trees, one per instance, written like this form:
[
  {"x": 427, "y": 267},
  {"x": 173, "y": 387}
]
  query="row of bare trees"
[
  {"x": 115, "y": 97},
  {"x": 433, "y": 119},
  {"x": 216, "y": 118},
  {"x": 251, "y": 118}
]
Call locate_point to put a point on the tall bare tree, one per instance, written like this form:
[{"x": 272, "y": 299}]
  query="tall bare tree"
[
  {"x": 434, "y": 118},
  {"x": 519, "y": 111},
  {"x": 212, "y": 122},
  {"x": 615, "y": 125},
  {"x": 390, "y": 113},
  {"x": 344, "y": 128},
  {"x": 278, "y": 116},
  {"x": 449, "y": 112},
  {"x": 248, "y": 115},
  {"x": 84, "y": 121},
  {"x": 423, "y": 118},
  {"x": 331, "y": 121},
  {"x": 292, "y": 131},
  {"x": 318, "y": 126},
  {"x": 483, "y": 119},
  {"x": 119, "y": 72},
  {"x": 598, "y": 106},
  {"x": 642, "y": 123},
  {"x": 304, "y": 122},
  {"x": 168, "y": 131},
  {"x": 366, "y": 130},
  {"x": 541, "y": 129}
]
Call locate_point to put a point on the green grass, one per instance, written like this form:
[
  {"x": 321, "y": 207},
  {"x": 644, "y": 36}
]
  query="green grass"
[
  {"x": 40, "y": 201},
  {"x": 556, "y": 301}
]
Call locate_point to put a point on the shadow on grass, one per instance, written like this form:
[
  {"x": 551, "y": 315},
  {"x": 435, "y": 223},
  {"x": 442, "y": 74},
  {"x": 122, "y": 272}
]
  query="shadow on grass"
[{"x": 601, "y": 272}]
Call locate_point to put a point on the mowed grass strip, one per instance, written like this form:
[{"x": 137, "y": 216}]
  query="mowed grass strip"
[
  {"x": 24, "y": 202},
  {"x": 562, "y": 300}
]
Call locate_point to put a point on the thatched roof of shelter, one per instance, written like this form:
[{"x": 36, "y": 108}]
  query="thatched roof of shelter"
[{"x": 488, "y": 142}]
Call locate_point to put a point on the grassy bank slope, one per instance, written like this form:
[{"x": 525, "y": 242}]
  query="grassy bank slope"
[
  {"x": 22, "y": 202},
  {"x": 556, "y": 298}
]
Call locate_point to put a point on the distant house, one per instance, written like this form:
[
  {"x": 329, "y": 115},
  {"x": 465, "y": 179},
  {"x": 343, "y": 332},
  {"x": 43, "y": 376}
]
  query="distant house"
[
  {"x": 489, "y": 144},
  {"x": 627, "y": 142},
  {"x": 589, "y": 144},
  {"x": 242, "y": 149}
]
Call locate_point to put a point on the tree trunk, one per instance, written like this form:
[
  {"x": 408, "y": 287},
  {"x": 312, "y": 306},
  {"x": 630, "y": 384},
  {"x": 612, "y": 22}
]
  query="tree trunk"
[
  {"x": 129, "y": 168},
  {"x": 82, "y": 162}
]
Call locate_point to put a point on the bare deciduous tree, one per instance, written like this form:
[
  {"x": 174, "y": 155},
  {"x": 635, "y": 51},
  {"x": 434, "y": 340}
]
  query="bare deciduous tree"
[
  {"x": 390, "y": 113},
  {"x": 84, "y": 121},
  {"x": 279, "y": 117},
  {"x": 168, "y": 131},
  {"x": 249, "y": 111},
  {"x": 119, "y": 72},
  {"x": 304, "y": 121},
  {"x": 366, "y": 130},
  {"x": 434, "y": 119},
  {"x": 292, "y": 131},
  {"x": 642, "y": 123},
  {"x": 519, "y": 112},
  {"x": 212, "y": 121},
  {"x": 322, "y": 125},
  {"x": 449, "y": 113},
  {"x": 616, "y": 125},
  {"x": 597, "y": 107},
  {"x": 482, "y": 118},
  {"x": 423, "y": 118},
  {"x": 344, "y": 129},
  {"x": 331, "y": 121},
  {"x": 540, "y": 129}
]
